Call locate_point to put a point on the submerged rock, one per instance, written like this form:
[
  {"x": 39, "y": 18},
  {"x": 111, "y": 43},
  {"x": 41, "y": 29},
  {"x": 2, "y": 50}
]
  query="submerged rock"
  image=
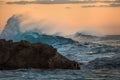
[
  {"x": 15, "y": 55},
  {"x": 105, "y": 63}
]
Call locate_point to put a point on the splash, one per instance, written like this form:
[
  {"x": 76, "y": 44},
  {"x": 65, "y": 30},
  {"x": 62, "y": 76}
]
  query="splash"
[
  {"x": 89, "y": 33},
  {"x": 16, "y": 29},
  {"x": 12, "y": 27}
]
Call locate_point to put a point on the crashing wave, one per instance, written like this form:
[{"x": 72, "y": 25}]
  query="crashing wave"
[
  {"x": 34, "y": 37},
  {"x": 66, "y": 46},
  {"x": 12, "y": 28},
  {"x": 12, "y": 32}
]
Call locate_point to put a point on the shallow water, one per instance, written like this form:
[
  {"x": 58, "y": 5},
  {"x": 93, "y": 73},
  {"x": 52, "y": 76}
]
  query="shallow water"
[{"x": 60, "y": 75}]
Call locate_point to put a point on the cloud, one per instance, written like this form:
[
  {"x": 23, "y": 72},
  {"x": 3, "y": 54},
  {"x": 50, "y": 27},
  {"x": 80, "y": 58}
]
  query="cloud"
[
  {"x": 62, "y": 1},
  {"x": 114, "y": 5},
  {"x": 104, "y": 3},
  {"x": 53, "y": 2},
  {"x": 1, "y": 2},
  {"x": 88, "y": 6},
  {"x": 110, "y": 1},
  {"x": 94, "y": 6},
  {"x": 89, "y": 3}
]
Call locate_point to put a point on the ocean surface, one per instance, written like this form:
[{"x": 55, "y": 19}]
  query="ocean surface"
[
  {"x": 80, "y": 48},
  {"x": 79, "y": 51},
  {"x": 59, "y": 75}
]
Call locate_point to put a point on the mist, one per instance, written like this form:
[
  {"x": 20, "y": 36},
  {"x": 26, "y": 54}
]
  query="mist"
[{"x": 18, "y": 24}]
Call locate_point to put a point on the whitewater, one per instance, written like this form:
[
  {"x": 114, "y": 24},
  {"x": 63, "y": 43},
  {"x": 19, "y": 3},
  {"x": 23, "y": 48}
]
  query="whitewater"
[{"x": 79, "y": 47}]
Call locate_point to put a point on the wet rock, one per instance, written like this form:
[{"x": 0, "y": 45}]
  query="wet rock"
[{"x": 15, "y": 55}]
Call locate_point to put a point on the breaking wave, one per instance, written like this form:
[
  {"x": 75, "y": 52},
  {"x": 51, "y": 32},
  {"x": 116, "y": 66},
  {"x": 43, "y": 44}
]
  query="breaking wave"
[
  {"x": 78, "y": 48},
  {"x": 12, "y": 31}
]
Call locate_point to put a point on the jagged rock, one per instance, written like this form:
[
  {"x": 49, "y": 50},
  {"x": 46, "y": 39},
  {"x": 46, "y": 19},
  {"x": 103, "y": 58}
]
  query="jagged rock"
[
  {"x": 15, "y": 55},
  {"x": 105, "y": 63}
]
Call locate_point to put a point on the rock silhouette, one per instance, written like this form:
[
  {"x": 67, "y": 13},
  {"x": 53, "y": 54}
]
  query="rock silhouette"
[{"x": 16, "y": 55}]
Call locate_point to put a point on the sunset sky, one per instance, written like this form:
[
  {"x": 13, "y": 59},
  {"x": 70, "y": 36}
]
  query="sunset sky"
[{"x": 65, "y": 16}]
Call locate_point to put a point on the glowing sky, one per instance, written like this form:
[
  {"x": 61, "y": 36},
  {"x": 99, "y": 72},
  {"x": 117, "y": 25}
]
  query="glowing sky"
[{"x": 66, "y": 16}]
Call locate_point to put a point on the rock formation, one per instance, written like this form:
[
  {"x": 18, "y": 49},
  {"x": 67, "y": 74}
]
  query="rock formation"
[{"x": 17, "y": 55}]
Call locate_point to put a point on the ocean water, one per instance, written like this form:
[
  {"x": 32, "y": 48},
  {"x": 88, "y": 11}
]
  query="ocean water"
[
  {"x": 82, "y": 48},
  {"x": 79, "y": 50},
  {"x": 74, "y": 51},
  {"x": 59, "y": 75}
]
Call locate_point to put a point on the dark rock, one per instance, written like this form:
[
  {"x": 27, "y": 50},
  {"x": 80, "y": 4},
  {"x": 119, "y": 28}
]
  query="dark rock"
[
  {"x": 15, "y": 55},
  {"x": 105, "y": 63}
]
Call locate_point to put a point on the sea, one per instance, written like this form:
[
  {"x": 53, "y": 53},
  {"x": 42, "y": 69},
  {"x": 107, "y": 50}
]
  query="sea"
[{"x": 80, "y": 48}]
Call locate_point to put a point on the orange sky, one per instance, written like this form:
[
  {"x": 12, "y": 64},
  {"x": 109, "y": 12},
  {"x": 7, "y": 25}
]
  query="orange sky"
[{"x": 66, "y": 18}]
